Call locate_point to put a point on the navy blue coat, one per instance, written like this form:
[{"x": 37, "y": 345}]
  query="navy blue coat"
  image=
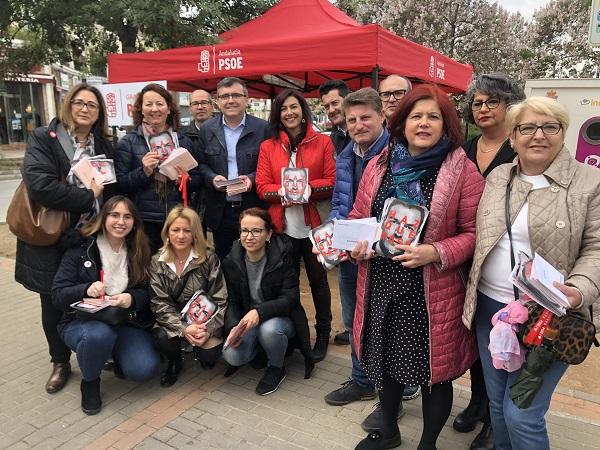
[
  {"x": 343, "y": 192},
  {"x": 133, "y": 182},
  {"x": 79, "y": 268},
  {"x": 213, "y": 162}
]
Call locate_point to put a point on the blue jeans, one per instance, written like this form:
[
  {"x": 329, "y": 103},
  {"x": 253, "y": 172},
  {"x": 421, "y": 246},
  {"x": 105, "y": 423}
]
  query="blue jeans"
[
  {"x": 272, "y": 335},
  {"x": 95, "y": 342},
  {"x": 514, "y": 428},
  {"x": 347, "y": 282}
]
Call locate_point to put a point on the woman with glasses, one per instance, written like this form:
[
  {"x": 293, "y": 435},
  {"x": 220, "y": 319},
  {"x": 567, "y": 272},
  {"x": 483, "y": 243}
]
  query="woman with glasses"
[
  {"x": 297, "y": 145},
  {"x": 553, "y": 207},
  {"x": 407, "y": 321},
  {"x": 112, "y": 261},
  {"x": 264, "y": 312},
  {"x": 488, "y": 99},
  {"x": 183, "y": 267},
  {"x": 141, "y": 151},
  {"x": 78, "y": 132}
]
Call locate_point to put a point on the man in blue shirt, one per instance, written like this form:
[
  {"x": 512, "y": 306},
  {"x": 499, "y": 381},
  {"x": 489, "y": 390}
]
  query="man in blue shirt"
[{"x": 228, "y": 148}]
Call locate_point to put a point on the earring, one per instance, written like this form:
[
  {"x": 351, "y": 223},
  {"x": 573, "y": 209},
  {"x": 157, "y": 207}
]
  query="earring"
[{"x": 303, "y": 120}]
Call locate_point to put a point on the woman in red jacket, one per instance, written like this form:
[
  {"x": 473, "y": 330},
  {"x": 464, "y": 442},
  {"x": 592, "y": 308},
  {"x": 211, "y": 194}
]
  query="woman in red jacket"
[
  {"x": 407, "y": 324},
  {"x": 294, "y": 210}
]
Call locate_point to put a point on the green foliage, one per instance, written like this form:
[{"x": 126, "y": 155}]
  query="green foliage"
[{"x": 85, "y": 31}]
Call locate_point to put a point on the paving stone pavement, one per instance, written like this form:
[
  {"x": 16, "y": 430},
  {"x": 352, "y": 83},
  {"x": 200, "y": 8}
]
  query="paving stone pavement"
[{"x": 205, "y": 410}]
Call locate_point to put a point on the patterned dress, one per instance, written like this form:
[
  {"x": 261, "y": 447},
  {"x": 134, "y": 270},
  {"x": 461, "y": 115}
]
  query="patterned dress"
[{"x": 396, "y": 338}]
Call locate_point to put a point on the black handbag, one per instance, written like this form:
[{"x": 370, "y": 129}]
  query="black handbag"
[
  {"x": 575, "y": 334},
  {"x": 112, "y": 315}
]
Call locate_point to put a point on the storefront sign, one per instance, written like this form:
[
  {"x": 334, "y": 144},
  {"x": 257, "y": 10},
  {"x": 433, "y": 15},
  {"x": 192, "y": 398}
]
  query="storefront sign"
[{"x": 119, "y": 99}]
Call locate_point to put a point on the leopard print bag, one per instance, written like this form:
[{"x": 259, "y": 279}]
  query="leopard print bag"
[{"x": 575, "y": 334}]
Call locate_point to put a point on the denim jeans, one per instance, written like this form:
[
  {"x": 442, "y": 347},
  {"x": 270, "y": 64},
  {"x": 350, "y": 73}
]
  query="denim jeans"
[
  {"x": 514, "y": 428},
  {"x": 272, "y": 335},
  {"x": 347, "y": 282},
  {"x": 95, "y": 342}
]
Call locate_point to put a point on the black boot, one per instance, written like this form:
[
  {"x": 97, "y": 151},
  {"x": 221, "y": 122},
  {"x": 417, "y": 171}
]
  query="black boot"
[
  {"x": 485, "y": 439},
  {"x": 169, "y": 377},
  {"x": 320, "y": 349},
  {"x": 91, "y": 403},
  {"x": 476, "y": 410}
]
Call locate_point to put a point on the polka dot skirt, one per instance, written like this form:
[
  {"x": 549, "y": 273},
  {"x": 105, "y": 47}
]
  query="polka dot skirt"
[{"x": 396, "y": 338}]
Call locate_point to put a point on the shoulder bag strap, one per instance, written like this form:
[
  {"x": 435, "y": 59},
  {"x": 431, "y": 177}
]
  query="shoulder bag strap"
[
  {"x": 65, "y": 141},
  {"x": 509, "y": 232}
]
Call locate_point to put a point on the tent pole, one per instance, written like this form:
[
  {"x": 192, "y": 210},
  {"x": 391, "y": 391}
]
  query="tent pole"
[{"x": 375, "y": 77}]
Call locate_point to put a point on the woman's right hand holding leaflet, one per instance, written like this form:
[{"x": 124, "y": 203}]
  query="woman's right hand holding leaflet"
[{"x": 96, "y": 289}]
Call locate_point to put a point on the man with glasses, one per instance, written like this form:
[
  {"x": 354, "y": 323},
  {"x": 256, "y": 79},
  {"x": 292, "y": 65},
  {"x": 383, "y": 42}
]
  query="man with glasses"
[
  {"x": 201, "y": 108},
  {"x": 391, "y": 91},
  {"x": 332, "y": 96},
  {"x": 228, "y": 148}
]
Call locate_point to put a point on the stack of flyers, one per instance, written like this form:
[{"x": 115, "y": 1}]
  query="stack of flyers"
[
  {"x": 294, "y": 181},
  {"x": 199, "y": 309},
  {"x": 234, "y": 186},
  {"x": 401, "y": 223},
  {"x": 91, "y": 305},
  {"x": 179, "y": 160},
  {"x": 535, "y": 277},
  {"x": 106, "y": 167},
  {"x": 322, "y": 238}
]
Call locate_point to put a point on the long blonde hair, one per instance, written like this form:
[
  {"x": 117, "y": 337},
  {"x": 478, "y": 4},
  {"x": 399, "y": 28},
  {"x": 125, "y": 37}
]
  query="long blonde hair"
[{"x": 199, "y": 243}]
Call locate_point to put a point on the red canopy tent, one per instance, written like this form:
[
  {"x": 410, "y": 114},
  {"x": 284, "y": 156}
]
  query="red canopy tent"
[{"x": 297, "y": 43}]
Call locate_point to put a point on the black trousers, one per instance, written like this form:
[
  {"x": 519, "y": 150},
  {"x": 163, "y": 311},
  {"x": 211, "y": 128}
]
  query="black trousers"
[
  {"x": 319, "y": 285},
  {"x": 153, "y": 231},
  {"x": 59, "y": 352},
  {"x": 171, "y": 348},
  {"x": 436, "y": 402},
  {"x": 228, "y": 231}
]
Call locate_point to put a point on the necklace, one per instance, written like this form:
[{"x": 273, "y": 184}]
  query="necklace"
[{"x": 481, "y": 150}]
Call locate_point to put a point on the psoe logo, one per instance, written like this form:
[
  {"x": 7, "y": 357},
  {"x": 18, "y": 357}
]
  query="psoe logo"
[
  {"x": 432, "y": 66},
  {"x": 230, "y": 60},
  {"x": 592, "y": 160},
  {"x": 440, "y": 71},
  {"x": 204, "y": 64}
]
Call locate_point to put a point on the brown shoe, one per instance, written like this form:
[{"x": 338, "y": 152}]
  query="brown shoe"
[{"x": 58, "y": 378}]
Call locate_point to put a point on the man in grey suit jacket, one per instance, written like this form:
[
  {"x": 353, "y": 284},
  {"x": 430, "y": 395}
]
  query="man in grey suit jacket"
[{"x": 228, "y": 148}]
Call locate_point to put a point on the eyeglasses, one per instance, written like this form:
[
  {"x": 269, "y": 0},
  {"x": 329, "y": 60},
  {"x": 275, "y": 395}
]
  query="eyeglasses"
[
  {"x": 528, "y": 129},
  {"x": 80, "y": 104},
  {"x": 201, "y": 103},
  {"x": 234, "y": 96},
  {"x": 254, "y": 232},
  {"x": 398, "y": 94},
  {"x": 117, "y": 216},
  {"x": 491, "y": 103}
]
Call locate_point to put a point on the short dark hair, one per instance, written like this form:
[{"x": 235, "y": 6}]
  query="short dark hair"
[
  {"x": 172, "y": 118},
  {"x": 452, "y": 127},
  {"x": 498, "y": 85},
  {"x": 275, "y": 115},
  {"x": 365, "y": 96},
  {"x": 330, "y": 85},
  {"x": 261, "y": 214},
  {"x": 230, "y": 81}
]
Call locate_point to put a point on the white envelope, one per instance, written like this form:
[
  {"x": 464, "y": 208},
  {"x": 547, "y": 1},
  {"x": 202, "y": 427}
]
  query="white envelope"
[{"x": 347, "y": 233}]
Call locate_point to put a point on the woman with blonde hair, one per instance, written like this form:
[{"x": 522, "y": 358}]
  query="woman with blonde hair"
[
  {"x": 550, "y": 203},
  {"x": 183, "y": 267},
  {"x": 78, "y": 133}
]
